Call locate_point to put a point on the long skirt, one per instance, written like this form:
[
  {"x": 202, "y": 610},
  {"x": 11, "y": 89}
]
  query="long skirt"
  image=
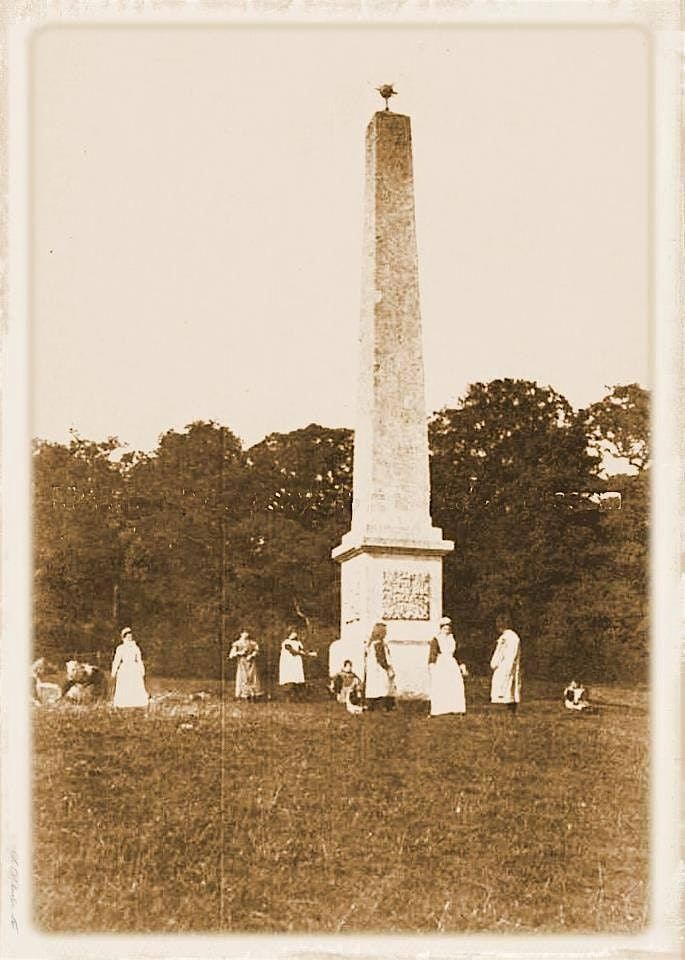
[
  {"x": 130, "y": 689},
  {"x": 506, "y": 684},
  {"x": 447, "y": 686},
  {"x": 247, "y": 682},
  {"x": 290, "y": 669},
  {"x": 377, "y": 684}
]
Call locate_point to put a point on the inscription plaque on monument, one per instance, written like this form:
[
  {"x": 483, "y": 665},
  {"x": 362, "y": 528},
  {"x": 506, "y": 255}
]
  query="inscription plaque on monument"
[{"x": 406, "y": 595}]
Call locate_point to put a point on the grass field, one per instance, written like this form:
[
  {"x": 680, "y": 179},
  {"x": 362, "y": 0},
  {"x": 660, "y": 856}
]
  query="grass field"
[{"x": 303, "y": 818}]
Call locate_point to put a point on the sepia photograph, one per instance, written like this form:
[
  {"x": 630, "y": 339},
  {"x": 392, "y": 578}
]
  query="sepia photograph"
[{"x": 346, "y": 557}]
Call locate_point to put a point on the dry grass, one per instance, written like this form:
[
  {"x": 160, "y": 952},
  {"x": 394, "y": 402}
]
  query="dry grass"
[{"x": 318, "y": 821}]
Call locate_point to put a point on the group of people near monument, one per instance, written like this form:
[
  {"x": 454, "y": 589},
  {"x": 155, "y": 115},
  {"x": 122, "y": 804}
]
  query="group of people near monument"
[
  {"x": 446, "y": 673},
  {"x": 375, "y": 689}
]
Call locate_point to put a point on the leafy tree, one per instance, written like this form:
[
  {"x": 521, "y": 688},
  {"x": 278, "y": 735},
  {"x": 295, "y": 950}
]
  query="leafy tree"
[
  {"x": 280, "y": 574},
  {"x": 598, "y": 622},
  {"x": 508, "y": 465},
  {"x": 179, "y": 502},
  {"x": 298, "y": 488},
  {"x": 619, "y": 425},
  {"x": 199, "y": 535},
  {"x": 78, "y": 553},
  {"x": 305, "y": 475}
]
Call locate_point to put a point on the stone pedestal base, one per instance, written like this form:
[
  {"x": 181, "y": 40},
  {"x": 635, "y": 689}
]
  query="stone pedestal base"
[{"x": 399, "y": 583}]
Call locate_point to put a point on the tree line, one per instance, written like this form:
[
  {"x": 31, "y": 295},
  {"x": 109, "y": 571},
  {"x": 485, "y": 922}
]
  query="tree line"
[{"x": 201, "y": 538}]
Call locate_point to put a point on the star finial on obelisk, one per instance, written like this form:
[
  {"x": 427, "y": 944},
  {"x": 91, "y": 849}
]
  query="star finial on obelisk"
[{"x": 387, "y": 90}]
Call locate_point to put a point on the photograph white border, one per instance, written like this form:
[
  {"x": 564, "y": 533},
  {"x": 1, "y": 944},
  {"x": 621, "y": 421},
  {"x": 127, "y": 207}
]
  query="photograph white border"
[{"x": 661, "y": 21}]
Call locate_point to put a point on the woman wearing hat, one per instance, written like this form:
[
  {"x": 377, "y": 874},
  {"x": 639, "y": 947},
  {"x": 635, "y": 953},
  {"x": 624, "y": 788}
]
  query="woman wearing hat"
[
  {"x": 128, "y": 670},
  {"x": 446, "y": 673}
]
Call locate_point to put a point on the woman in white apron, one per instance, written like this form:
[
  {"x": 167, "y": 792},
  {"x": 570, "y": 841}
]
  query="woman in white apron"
[
  {"x": 128, "y": 670},
  {"x": 446, "y": 678},
  {"x": 291, "y": 667},
  {"x": 379, "y": 676}
]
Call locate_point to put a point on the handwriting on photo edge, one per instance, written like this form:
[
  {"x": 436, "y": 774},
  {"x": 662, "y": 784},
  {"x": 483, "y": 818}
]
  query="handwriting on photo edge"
[{"x": 13, "y": 888}]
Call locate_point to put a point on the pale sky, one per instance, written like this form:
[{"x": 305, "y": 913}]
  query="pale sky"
[{"x": 197, "y": 211}]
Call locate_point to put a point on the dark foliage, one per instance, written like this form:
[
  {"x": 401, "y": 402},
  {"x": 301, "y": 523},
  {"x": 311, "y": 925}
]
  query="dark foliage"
[
  {"x": 199, "y": 539},
  {"x": 513, "y": 475}
]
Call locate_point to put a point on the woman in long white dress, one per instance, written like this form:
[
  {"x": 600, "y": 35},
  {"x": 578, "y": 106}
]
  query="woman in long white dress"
[
  {"x": 128, "y": 670},
  {"x": 379, "y": 675},
  {"x": 505, "y": 665},
  {"x": 446, "y": 677}
]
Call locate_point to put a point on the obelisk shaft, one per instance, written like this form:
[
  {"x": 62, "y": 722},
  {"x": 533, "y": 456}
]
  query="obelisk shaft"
[
  {"x": 391, "y": 559},
  {"x": 391, "y": 476}
]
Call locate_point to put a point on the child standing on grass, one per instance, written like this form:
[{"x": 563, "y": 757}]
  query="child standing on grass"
[{"x": 505, "y": 664}]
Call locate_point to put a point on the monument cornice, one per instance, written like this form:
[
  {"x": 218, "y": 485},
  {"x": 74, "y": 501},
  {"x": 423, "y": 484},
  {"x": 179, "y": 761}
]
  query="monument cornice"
[{"x": 386, "y": 546}]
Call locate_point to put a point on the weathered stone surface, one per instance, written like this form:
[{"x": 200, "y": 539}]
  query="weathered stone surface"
[
  {"x": 406, "y": 595},
  {"x": 391, "y": 559}
]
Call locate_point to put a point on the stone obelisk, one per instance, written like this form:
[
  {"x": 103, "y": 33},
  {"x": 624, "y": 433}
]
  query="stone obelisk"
[{"x": 391, "y": 559}]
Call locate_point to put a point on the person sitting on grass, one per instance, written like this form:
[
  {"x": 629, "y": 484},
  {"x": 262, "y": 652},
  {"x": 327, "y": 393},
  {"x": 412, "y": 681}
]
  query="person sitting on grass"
[
  {"x": 342, "y": 681},
  {"x": 42, "y": 690},
  {"x": 575, "y": 697},
  {"x": 84, "y": 683},
  {"x": 347, "y": 688}
]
